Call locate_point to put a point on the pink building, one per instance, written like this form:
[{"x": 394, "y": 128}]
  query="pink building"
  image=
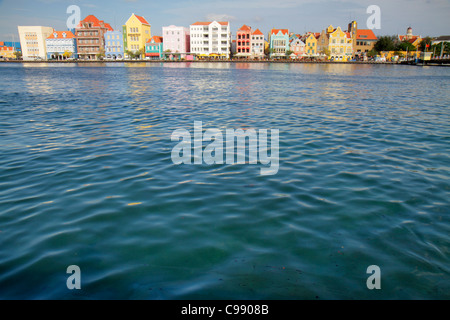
[{"x": 177, "y": 40}]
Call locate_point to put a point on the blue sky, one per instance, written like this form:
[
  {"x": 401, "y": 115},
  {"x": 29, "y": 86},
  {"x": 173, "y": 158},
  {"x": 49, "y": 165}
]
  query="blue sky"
[{"x": 426, "y": 17}]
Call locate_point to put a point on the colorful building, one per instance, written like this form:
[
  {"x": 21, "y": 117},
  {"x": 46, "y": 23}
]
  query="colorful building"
[
  {"x": 176, "y": 40},
  {"x": 114, "y": 45},
  {"x": 243, "y": 42},
  {"x": 6, "y": 52},
  {"x": 363, "y": 40},
  {"x": 154, "y": 48},
  {"x": 249, "y": 43},
  {"x": 61, "y": 45},
  {"x": 90, "y": 35},
  {"x": 211, "y": 39},
  {"x": 340, "y": 44},
  {"x": 297, "y": 47},
  {"x": 278, "y": 42},
  {"x": 136, "y": 33},
  {"x": 258, "y": 44},
  {"x": 32, "y": 41},
  {"x": 310, "y": 41},
  {"x": 409, "y": 37}
]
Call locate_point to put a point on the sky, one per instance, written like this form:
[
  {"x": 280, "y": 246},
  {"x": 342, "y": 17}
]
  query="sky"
[{"x": 426, "y": 17}]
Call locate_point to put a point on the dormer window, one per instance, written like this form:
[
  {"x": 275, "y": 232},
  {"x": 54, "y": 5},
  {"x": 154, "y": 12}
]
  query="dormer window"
[
  {"x": 64, "y": 34},
  {"x": 55, "y": 35}
]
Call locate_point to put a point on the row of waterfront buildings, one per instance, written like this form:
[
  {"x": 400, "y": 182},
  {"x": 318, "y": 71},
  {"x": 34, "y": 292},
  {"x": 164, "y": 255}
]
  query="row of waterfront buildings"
[{"x": 94, "y": 39}]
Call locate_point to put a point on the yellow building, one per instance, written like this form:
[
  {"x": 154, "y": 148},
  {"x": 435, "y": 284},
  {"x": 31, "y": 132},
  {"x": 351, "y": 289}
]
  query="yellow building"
[
  {"x": 6, "y": 52},
  {"x": 340, "y": 44},
  {"x": 311, "y": 45},
  {"x": 136, "y": 33}
]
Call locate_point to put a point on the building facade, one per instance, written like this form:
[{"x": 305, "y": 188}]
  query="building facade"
[
  {"x": 211, "y": 39},
  {"x": 278, "y": 42},
  {"x": 297, "y": 47},
  {"x": 310, "y": 41},
  {"x": 409, "y": 37},
  {"x": 258, "y": 45},
  {"x": 90, "y": 35},
  {"x": 136, "y": 33},
  {"x": 154, "y": 48},
  {"x": 363, "y": 40},
  {"x": 243, "y": 42},
  {"x": 114, "y": 45},
  {"x": 340, "y": 44},
  {"x": 6, "y": 52},
  {"x": 176, "y": 40},
  {"x": 61, "y": 45},
  {"x": 32, "y": 41}
]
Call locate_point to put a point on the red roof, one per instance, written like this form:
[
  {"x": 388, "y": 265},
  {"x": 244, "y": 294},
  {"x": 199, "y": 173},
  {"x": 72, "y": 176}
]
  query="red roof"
[
  {"x": 257, "y": 32},
  {"x": 156, "y": 39},
  {"x": 365, "y": 34},
  {"x": 412, "y": 40},
  {"x": 276, "y": 31},
  {"x": 59, "y": 35},
  {"x": 245, "y": 28},
  {"x": 223, "y": 23},
  {"x": 95, "y": 22},
  {"x": 142, "y": 19},
  {"x": 108, "y": 26}
]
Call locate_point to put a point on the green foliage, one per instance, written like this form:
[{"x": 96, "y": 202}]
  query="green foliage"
[
  {"x": 423, "y": 44},
  {"x": 405, "y": 46},
  {"x": 385, "y": 43}
]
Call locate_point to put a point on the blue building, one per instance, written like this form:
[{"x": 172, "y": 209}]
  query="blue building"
[
  {"x": 15, "y": 45},
  {"x": 60, "y": 43},
  {"x": 114, "y": 45}
]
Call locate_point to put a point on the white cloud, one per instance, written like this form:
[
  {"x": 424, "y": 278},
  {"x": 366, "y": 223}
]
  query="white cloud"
[{"x": 219, "y": 17}]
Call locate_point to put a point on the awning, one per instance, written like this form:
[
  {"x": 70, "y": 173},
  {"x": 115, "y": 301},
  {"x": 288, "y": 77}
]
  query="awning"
[{"x": 152, "y": 54}]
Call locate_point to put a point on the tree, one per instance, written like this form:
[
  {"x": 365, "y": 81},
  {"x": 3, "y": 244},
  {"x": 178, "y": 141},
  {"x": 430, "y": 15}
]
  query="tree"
[
  {"x": 385, "y": 43},
  {"x": 17, "y": 54},
  {"x": 101, "y": 54},
  {"x": 289, "y": 52},
  {"x": 372, "y": 53},
  {"x": 405, "y": 46},
  {"x": 130, "y": 54},
  {"x": 141, "y": 53},
  {"x": 325, "y": 51},
  {"x": 441, "y": 48},
  {"x": 67, "y": 54},
  {"x": 423, "y": 44}
]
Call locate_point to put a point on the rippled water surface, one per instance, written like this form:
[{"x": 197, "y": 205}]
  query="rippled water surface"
[{"x": 86, "y": 178}]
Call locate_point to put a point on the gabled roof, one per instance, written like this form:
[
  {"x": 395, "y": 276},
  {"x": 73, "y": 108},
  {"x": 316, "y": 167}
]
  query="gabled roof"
[
  {"x": 245, "y": 28},
  {"x": 276, "y": 31},
  {"x": 365, "y": 34},
  {"x": 95, "y": 22},
  {"x": 142, "y": 19},
  {"x": 155, "y": 39},
  {"x": 108, "y": 26},
  {"x": 411, "y": 40},
  {"x": 59, "y": 35},
  {"x": 258, "y": 33}
]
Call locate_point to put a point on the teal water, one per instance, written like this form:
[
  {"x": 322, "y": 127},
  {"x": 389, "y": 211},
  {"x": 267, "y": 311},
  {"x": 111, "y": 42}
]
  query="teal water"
[{"x": 86, "y": 178}]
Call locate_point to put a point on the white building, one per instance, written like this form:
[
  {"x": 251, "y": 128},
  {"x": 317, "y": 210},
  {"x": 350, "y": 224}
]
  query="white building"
[
  {"x": 211, "y": 39},
  {"x": 60, "y": 42},
  {"x": 176, "y": 40},
  {"x": 257, "y": 44},
  {"x": 32, "y": 41}
]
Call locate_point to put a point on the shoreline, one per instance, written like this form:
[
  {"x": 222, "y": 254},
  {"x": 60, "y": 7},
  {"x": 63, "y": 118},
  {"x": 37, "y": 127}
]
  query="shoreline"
[{"x": 445, "y": 63}]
